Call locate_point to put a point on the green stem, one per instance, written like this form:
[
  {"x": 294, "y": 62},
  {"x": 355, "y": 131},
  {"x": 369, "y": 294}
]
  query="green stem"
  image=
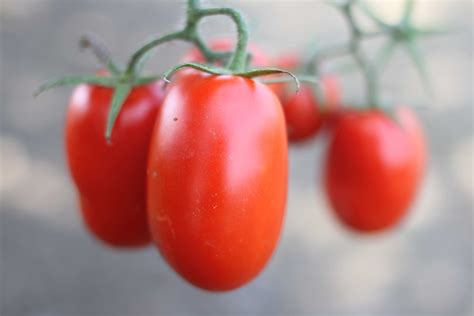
[
  {"x": 210, "y": 55},
  {"x": 238, "y": 60},
  {"x": 138, "y": 55},
  {"x": 367, "y": 69},
  {"x": 190, "y": 34},
  {"x": 100, "y": 51},
  {"x": 193, "y": 5}
]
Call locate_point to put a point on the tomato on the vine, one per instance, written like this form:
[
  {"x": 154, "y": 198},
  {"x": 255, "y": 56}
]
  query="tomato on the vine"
[
  {"x": 111, "y": 176},
  {"x": 217, "y": 178},
  {"x": 374, "y": 167},
  {"x": 305, "y": 114}
]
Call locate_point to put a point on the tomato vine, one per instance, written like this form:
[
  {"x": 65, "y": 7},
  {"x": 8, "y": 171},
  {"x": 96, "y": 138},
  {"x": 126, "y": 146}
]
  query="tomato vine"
[
  {"x": 122, "y": 81},
  {"x": 400, "y": 33}
]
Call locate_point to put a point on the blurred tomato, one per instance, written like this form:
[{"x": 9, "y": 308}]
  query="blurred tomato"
[
  {"x": 110, "y": 177},
  {"x": 307, "y": 110},
  {"x": 374, "y": 167}
]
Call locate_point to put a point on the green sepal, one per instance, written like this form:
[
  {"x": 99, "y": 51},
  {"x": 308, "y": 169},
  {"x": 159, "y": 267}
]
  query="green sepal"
[
  {"x": 302, "y": 78},
  {"x": 121, "y": 93},
  {"x": 201, "y": 67},
  {"x": 75, "y": 80},
  {"x": 269, "y": 71},
  {"x": 91, "y": 41}
]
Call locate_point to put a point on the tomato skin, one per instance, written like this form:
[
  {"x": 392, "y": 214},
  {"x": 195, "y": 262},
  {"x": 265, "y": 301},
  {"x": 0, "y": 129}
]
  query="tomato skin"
[
  {"x": 217, "y": 179},
  {"x": 259, "y": 58},
  {"x": 305, "y": 115},
  {"x": 303, "y": 112},
  {"x": 111, "y": 178},
  {"x": 374, "y": 167}
]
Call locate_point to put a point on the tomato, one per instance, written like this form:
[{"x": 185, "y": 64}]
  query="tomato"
[
  {"x": 111, "y": 177},
  {"x": 259, "y": 58},
  {"x": 217, "y": 178},
  {"x": 304, "y": 113},
  {"x": 374, "y": 167}
]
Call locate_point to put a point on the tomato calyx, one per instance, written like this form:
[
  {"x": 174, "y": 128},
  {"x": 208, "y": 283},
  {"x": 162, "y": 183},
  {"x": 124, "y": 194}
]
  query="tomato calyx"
[
  {"x": 402, "y": 33},
  {"x": 214, "y": 70},
  {"x": 122, "y": 82}
]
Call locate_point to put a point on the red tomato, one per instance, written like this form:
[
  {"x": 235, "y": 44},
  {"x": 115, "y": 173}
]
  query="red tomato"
[
  {"x": 111, "y": 178},
  {"x": 259, "y": 58},
  {"x": 304, "y": 113},
  {"x": 374, "y": 167},
  {"x": 217, "y": 178}
]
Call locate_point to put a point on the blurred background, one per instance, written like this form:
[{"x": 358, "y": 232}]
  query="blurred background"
[{"x": 50, "y": 265}]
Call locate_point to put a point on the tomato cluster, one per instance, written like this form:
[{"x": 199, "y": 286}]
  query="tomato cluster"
[{"x": 199, "y": 167}]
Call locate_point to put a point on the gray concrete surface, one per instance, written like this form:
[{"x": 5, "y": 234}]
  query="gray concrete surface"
[{"x": 51, "y": 266}]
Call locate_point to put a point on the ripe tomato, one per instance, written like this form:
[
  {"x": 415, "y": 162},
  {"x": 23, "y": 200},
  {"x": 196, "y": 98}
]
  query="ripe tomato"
[
  {"x": 259, "y": 58},
  {"x": 304, "y": 113},
  {"x": 374, "y": 167},
  {"x": 217, "y": 178},
  {"x": 111, "y": 178}
]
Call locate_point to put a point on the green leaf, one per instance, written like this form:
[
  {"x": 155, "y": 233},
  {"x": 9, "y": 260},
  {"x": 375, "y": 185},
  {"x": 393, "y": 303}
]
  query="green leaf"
[
  {"x": 120, "y": 94},
  {"x": 419, "y": 64},
  {"x": 75, "y": 80}
]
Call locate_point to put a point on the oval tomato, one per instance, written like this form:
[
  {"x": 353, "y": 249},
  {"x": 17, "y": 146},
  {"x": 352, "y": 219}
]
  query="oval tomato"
[
  {"x": 304, "y": 113},
  {"x": 374, "y": 167},
  {"x": 217, "y": 178},
  {"x": 259, "y": 58},
  {"x": 111, "y": 177}
]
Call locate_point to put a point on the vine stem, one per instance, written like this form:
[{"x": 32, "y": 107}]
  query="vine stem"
[
  {"x": 189, "y": 33},
  {"x": 364, "y": 65},
  {"x": 139, "y": 54},
  {"x": 352, "y": 48},
  {"x": 239, "y": 57},
  {"x": 100, "y": 51}
]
